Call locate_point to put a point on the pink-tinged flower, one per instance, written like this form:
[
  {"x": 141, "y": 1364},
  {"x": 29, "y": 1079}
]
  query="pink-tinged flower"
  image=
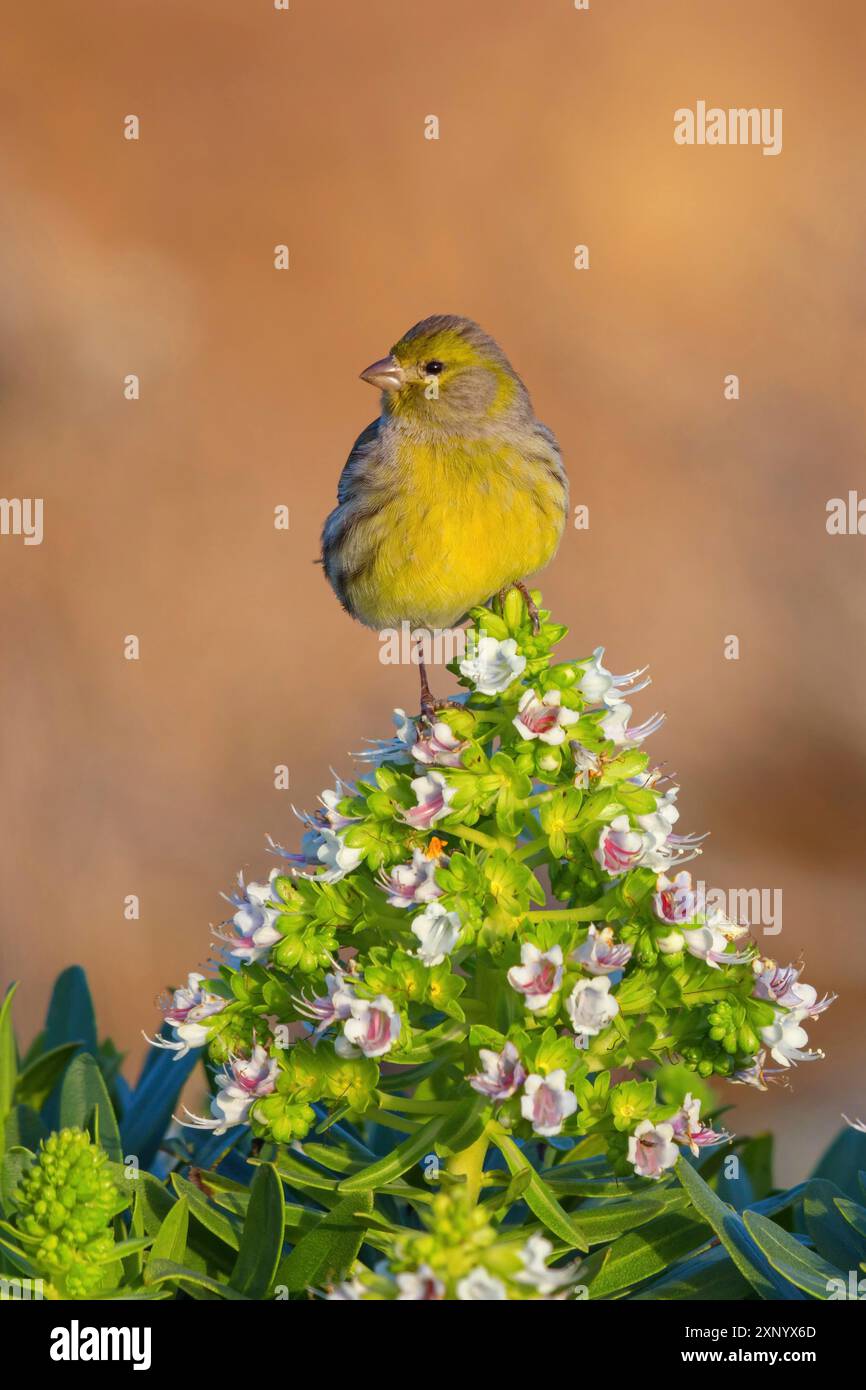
[
  {"x": 407, "y": 885},
  {"x": 778, "y": 984},
  {"x": 536, "y": 1272},
  {"x": 690, "y": 1130},
  {"x": 675, "y": 900},
  {"x": 440, "y": 745},
  {"x": 546, "y": 719},
  {"x": 242, "y": 1082},
  {"x": 254, "y": 921},
  {"x": 480, "y": 1286},
  {"x": 757, "y": 1074},
  {"x": 328, "y": 1009},
  {"x": 619, "y": 847},
  {"x": 372, "y": 1028},
  {"x": 190, "y": 1007},
  {"x": 392, "y": 750},
  {"x": 329, "y": 814},
  {"x": 539, "y": 975},
  {"x": 652, "y": 1149},
  {"x": 434, "y": 797},
  {"x": 662, "y": 847},
  {"x": 787, "y": 1040},
  {"x": 591, "y": 1006},
  {"x": 546, "y": 1103},
  {"x": 614, "y": 725},
  {"x": 420, "y": 1286},
  {"x": 600, "y": 955},
  {"x": 503, "y": 1073},
  {"x": 493, "y": 666},
  {"x": 710, "y": 944},
  {"x": 598, "y": 686},
  {"x": 438, "y": 932}
]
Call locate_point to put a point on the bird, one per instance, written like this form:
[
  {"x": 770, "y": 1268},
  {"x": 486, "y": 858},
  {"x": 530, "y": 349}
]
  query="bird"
[{"x": 454, "y": 494}]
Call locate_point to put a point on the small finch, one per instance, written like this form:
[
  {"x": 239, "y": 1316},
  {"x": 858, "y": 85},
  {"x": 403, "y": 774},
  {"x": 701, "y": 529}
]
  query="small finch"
[{"x": 454, "y": 494}]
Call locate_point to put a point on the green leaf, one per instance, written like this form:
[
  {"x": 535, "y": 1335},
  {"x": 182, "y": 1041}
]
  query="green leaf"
[
  {"x": 854, "y": 1214},
  {"x": 15, "y": 1160},
  {"x": 540, "y": 1198},
  {"x": 262, "y": 1241},
  {"x": 612, "y": 1219},
  {"x": 799, "y": 1266},
  {"x": 641, "y": 1254},
  {"x": 70, "y": 1013},
  {"x": 158, "y": 1271},
  {"x": 398, "y": 1161},
  {"x": 325, "y": 1254},
  {"x": 214, "y": 1221},
  {"x": 84, "y": 1098},
  {"x": 832, "y": 1236},
  {"x": 8, "y": 1054},
  {"x": 170, "y": 1241},
  {"x": 37, "y": 1081},
  {"x": 711, "y": 1278},
  {"x": 729, "y": 1227},
  {"x": 843, "y": 1160}
]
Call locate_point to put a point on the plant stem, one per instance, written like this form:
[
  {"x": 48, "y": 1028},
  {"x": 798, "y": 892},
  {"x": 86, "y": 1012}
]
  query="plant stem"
[
  {"x": 568, "y": 914},
  {"x": 533, "y": 847},
  {"x": 470, "y": 1164},
  {"x": 477, "y": 837}
]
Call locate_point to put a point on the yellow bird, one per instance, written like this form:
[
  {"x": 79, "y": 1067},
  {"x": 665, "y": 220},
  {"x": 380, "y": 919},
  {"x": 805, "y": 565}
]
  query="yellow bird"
[{"x": 454, "y": 494}]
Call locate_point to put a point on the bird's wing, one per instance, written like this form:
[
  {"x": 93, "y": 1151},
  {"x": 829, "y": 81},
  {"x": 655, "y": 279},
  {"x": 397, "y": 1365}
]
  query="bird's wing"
[{"x": 357, "y": 462}]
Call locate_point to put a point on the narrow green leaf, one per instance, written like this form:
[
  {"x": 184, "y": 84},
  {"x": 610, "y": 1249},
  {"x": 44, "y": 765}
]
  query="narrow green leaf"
[
  {"x": 398, "y": 1161},
  {"x": 158, "y": 1271},
  {"x": 70, "y": 1013},
  {"x": 84, "y": 1099},
  {"x": 641, "y": 1254},
  {"x": 540, "y": 1198},
  {"x": 37, "y": 1081},
  {"x": 262, "y": 1241},
  {"x": 801, "y": 1267},
  {"x": 170, "y": 1241},
  {"x": 8, "y": 1054},
  {"x": 325, "y": 1254},
  {"x": 728, "y": 1226},
  {"x": 833, "y": 1237},
  {"x": 212, "y": 1219},
  {"x": 854, "y": 1214}
]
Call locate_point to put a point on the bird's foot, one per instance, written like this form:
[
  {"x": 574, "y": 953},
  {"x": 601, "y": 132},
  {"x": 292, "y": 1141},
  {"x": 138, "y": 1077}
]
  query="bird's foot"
[{"x": 530, "y": 603}]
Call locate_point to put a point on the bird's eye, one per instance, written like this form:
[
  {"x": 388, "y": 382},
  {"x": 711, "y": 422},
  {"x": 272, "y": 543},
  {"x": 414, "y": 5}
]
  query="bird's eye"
[{"x": 433, "y": 368}]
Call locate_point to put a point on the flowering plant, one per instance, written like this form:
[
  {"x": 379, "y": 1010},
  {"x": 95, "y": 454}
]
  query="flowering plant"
[{"x": 408, "y": 969}]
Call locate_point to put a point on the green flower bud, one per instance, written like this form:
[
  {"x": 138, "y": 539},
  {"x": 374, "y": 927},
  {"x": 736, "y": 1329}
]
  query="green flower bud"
[{"x": 67, "y": 1200}]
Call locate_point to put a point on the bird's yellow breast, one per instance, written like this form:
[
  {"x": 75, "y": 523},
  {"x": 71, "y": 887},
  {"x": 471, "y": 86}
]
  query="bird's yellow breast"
[{"x": 453, "y": 525}]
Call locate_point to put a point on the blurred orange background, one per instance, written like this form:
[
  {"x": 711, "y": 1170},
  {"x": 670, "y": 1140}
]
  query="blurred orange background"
[{"x": 707, "y": 516}]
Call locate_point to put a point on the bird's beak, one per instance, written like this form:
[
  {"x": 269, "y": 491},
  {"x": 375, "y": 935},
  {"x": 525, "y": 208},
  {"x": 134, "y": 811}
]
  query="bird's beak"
[{"x": 386, "y": 374}]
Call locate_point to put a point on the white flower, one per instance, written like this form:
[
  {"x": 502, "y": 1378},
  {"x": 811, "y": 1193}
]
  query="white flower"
[
  {"x": 434, "y": 796},
  {"x": 350, "y": 1291},
  {"x": 372, "y": 1029},
  {"x": 690, "y": 1130},
  {"x": 710, "y": 944},
  {"x": 614, "y": 725},
  {"x": 599, "y": 953},
  {"x": 502, "y": 1073},
  {"x": 859, "y": 1125},
  {"x": 591, "y": 1006},
  {"x": 409, "y": 884},
  {"x": 619, "y": 847},
  {"x": 539, "y": 975},
  {"x": 441, "y": 745},
  {"x": 242, "y": 1082},
  {"x": 420, "y": 1285},
  {"x": 190, "y": 1006},
  {"x": 493, "y": 666},
  {"x": 598, "y": 686},
  {"x": 333, "y": 1007},
  {"x": 392, "y": 750},
  {"x": 254, "y": 921},
  {"x": 675, "y": 900},
  {"x": 652, "y": 1149},
  {"x": 787, "y": 1040},
  {"x": 438, "y": 932},
  {"x": 781, "y": 985},
  {"x": 546, "y": 719},
  {"x": 480, "y": 1286},
  {"x": 535, "y": 1254},
  {"x": 321, "y": 846},
  {"x": 671, "y": 944},
  {"x": 586, "y": 765},
  {"x": 546, "y": 1103}
]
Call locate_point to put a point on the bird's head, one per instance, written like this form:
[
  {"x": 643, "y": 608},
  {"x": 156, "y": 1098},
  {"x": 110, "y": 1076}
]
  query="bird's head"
[{"x": 447, "y": 373}]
